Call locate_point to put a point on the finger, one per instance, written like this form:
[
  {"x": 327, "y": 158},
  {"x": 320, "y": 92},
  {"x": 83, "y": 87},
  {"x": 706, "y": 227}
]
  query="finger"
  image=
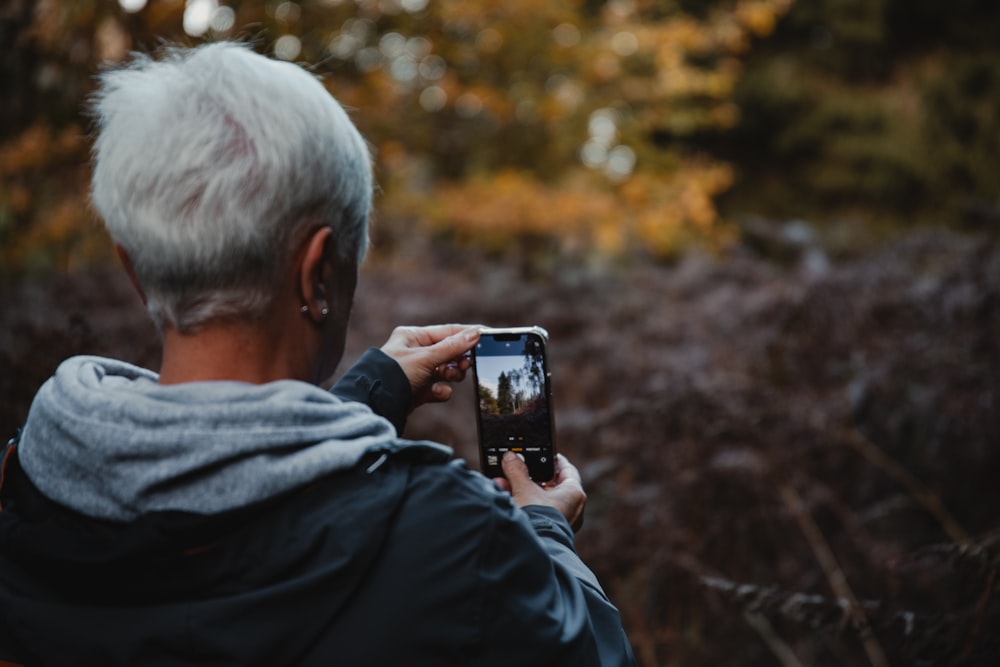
[
  {"x": 435, "y": 333},
  {"x": 566, "y": 470},
  {"x": 454, "y": 347},
  {"x": 409, "y": 336},
  {"x": 453, "y": 373},
  {"x": 441, "y": 392}
]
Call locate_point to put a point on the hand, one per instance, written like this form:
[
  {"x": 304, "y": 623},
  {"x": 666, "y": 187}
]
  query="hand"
[
  {"x": 431, "y": 357},
  {"x": 565, "y": 491}
]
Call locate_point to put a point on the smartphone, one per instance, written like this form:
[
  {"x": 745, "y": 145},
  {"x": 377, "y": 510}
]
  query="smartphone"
[{"x": 514, "y": 400}]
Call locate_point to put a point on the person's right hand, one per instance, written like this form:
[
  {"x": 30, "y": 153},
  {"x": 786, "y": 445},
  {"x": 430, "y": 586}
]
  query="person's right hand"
[
  {"x": 565, "y": 491},
  {"x": 432, "y": 358}
]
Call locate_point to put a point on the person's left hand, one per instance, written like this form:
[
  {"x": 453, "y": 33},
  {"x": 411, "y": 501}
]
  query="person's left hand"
[
  {"x": 432, "y": 357},
  {"x": 564, "y": 492}
]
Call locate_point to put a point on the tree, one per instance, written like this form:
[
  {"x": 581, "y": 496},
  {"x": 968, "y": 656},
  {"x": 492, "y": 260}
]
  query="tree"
[
  {"x": 876, "y": 109},
  {"x": 535, "y": 129},
  {"x": 534, "y": 371},
  {"x": 562, "y": 129},
  {"x": 505, "y": 396},
  {"x": 487, "y": 401}
]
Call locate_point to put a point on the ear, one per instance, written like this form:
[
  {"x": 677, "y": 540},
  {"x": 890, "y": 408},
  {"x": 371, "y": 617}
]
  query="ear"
[
  {"x": 312, "y": 283},
  {"x": 127, "y": 264}
]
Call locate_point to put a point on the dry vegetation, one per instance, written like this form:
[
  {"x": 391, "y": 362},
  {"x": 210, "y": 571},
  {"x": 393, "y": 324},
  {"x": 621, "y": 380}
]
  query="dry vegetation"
[{"x": 785, "y": 466}]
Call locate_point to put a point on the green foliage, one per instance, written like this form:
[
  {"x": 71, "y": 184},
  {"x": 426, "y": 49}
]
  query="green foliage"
[
  {"x": 885, "y": 109},
  {"x": 963, "y": 123},
  {"x": 487, "y": 401}
]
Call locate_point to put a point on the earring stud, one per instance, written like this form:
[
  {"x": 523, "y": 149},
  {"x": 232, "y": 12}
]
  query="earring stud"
[
  {"x": 324, "y": 312},
  {"x": 304, "y": 309}
]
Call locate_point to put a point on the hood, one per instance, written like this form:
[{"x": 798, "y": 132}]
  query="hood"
[
  {"x": 104, "y": 439},
  {"x": 218, "y": 523}
]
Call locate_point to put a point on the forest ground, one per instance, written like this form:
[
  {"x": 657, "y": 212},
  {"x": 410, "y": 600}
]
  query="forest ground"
[{"x": 787, "y": 463}]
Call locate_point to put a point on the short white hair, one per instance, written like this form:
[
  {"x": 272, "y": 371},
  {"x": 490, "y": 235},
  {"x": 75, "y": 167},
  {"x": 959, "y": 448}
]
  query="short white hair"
[{"x": 211, "y": 164}]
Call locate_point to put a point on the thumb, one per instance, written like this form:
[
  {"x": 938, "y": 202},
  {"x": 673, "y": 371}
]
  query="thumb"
[{"x": 515, "y": 469}]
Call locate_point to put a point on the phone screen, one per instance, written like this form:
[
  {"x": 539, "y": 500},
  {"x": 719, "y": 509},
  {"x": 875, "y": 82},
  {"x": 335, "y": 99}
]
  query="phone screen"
[{"x": 513, "y": 400}]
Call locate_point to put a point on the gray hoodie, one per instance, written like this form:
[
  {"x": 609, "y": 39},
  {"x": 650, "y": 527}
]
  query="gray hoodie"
[{"x": 105, "y": 439}]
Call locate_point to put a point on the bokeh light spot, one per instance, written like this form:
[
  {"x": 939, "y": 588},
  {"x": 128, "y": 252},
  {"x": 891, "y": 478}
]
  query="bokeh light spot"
[
  {"x": 288, "y": 47},
  {"x": 433, "y": 67},
  {"x": 433, "y": 98},
  {"x": 624, "y": 44},
  {"x": 568, "y": 93},
  {"x": 566, "y": 34},
  {"x": 132, "y": 6},
  {"x": 602, "y": 125},
  {"x": 198, "y": 16},
  {"x": 594, "y": 154},
  {"x": 287, "y": 13},
  {"x": 344, "y": 46},
  {"x": 403, "y": 69},
  {"x": 392, "y": 44},
  {"x": 224, "y": 19},
  {"x": 620, "y": 162},
  {"x": 419, "y": 46},
  {"x": 360, "y": 29},
  {"x": 413, "y": 6}
]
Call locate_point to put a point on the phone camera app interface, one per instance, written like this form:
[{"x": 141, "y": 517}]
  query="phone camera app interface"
[{"x": 513, "y": 408}]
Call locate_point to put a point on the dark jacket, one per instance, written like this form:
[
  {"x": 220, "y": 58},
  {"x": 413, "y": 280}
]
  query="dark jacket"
[{"x": 406, "y": 558}]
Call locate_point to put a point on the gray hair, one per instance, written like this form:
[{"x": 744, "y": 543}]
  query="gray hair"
[{"x": 211, "y": 164}]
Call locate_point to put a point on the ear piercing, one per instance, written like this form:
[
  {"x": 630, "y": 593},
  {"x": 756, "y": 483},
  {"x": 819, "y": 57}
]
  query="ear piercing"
[{"x": 323, "y": 313}]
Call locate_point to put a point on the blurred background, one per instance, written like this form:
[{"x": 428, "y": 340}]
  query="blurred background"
[{"x": 763, "y": 236}]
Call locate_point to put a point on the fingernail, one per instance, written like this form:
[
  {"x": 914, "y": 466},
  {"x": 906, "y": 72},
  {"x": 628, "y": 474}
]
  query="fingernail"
[
  {"x": 472, "y": 334},
  {"x": 509, "y": 456}
]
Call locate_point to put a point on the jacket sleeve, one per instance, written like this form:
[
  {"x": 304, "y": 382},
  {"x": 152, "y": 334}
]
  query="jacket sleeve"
[
  {"x": 547, "y": 607},
  {"x": 377, "y": 381}
]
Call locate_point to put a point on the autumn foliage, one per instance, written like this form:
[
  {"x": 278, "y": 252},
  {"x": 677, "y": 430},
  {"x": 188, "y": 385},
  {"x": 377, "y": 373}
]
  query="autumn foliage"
[{"x": 543, "y": 129}]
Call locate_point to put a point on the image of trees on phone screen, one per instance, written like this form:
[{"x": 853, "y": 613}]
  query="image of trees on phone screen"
[{"x": 513, "y": 402}]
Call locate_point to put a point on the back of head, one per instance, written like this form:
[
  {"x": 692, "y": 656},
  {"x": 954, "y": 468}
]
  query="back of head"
[{"x": 210, "y": 164}]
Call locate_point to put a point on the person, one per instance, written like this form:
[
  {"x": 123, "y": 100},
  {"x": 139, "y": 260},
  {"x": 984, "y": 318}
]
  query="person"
[{"x": 234, "y": 507}]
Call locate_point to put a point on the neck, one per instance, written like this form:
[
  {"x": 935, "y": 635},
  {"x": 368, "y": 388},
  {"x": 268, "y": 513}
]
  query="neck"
[{"x": 253, "y": 352}]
